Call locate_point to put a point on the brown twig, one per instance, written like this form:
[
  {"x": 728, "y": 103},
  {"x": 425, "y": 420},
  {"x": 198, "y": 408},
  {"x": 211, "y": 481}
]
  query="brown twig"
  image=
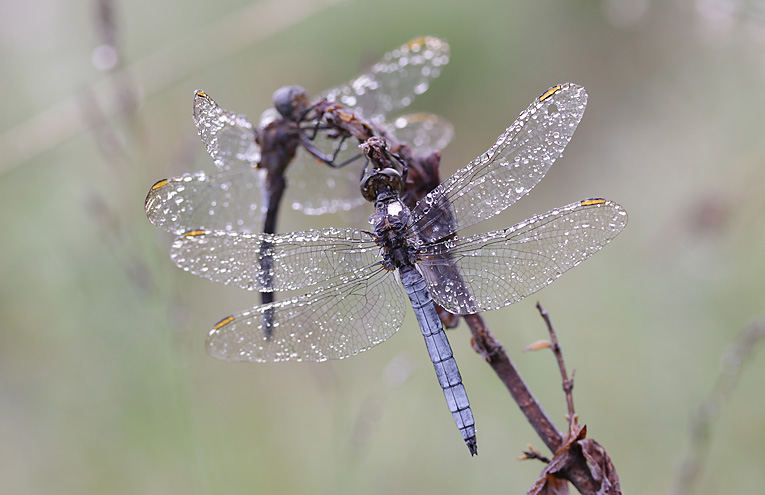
[
  {"x": 580, "y": 460},
  {"x": 493, "y": 353},
  {"x": 531, "y": 453},
  {"x": 568, "y": 383}
]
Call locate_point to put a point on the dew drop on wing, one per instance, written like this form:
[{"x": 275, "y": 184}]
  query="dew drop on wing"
[{"x": 420, "y": 88}]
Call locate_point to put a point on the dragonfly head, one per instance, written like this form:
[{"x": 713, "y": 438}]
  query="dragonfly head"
[
  {"x": 381, "y": 178},
  {"x": 380, "y": 184},
  {"x": 291, "y": 102}
]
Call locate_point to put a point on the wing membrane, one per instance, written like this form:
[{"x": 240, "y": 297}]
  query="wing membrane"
[
  {"x": 424, "y": 132},
  {"x": 393, "y": 82},
  {"x": 333, "y": 322},
  {"x": 521, "y": 156},
  {"x": 391, "y": 85},
  {"x": 499, "y": 268},
  {"x": 228, "y": 137},
  {"x": 230, "y": 198},
  {"x": 316, "y": 189},
  {"x": 224, "y": 201},
  {"x": 268, "y": 262}
]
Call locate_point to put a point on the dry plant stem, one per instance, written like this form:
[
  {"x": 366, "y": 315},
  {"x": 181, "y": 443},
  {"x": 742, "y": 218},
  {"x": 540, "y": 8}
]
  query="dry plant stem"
[
  {"x": 568, "y": 383},
  {"x": 701, "y": 425},
  {"x": 577, "y": 459},
  {"x": 530, "y": 453},
  {"x": 167, "y": 66},
  {"x": 492, "y": 351}
]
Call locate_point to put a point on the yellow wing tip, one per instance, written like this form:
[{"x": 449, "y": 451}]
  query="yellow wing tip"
[
  {"x": 421, "y": 41},
  {"x": 225, "y": 321},
  {"x": 417, "y": 42},
  {"x": 194, "y": 233},
  {"x": 550, "y": 92},
  {"x": 158, "y": 184},
  {"x": 150, "y": 195},
  {"x": 593, "y": 201}
]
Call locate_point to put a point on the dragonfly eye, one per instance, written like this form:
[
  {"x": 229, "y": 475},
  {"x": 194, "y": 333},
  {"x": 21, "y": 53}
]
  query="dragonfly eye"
[{"x": 291, "y": 102}]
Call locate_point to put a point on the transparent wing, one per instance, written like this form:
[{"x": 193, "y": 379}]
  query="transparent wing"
[
  {"x": 315, "y": 190},
  {"x": 335, "y": 321},
  {"x": 394, "y": 82},
  {"x": 491, "y": 270},
  {"x": 224, "y": 201},
  {"x": 424, "y": 132},
  {"x": 277, "y": 262},
  {"x": 230, "y": 198},
  {"x": 508, "y": 170},
  {"x": 228, "y": 137},
  {"x": 391, "y": 85}
]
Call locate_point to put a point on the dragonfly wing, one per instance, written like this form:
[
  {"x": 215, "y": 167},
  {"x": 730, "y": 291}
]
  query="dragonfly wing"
[
  {"x": 228, "y": 137},
  {"x": 274, "y": 262},
  {"x": 491, "y": 270},
  {"x": 424, "y": 132},
  {"x": 388, "y": 87},
  {"x": 518, "y": 160},
  {"x": 227, "y": 200},
  {"x": 316, "y": 189},
  {"x": 394, "y": 82},
  {"x": 334, "y": 321}
]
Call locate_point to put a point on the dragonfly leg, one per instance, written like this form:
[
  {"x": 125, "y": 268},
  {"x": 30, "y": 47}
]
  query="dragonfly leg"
[{"x": 325, "y": 158}]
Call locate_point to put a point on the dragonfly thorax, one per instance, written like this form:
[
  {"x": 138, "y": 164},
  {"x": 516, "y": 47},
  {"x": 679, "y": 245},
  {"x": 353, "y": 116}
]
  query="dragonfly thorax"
[
  {"x": 392, "y": 222},
  {"x": 278, "y": 143}
]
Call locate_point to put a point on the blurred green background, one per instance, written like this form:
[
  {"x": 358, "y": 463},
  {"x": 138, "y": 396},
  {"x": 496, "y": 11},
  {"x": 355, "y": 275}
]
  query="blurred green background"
[{"x": 105, "y": 386}]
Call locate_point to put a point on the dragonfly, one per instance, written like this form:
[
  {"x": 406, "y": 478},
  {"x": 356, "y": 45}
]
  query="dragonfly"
[
  {"x": 353, "y": 278},
  {"x": 245, "y": 191}
]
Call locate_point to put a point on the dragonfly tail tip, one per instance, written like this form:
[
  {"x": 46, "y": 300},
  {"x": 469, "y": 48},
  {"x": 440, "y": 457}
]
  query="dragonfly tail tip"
[{"x": 472, "y": 445}]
